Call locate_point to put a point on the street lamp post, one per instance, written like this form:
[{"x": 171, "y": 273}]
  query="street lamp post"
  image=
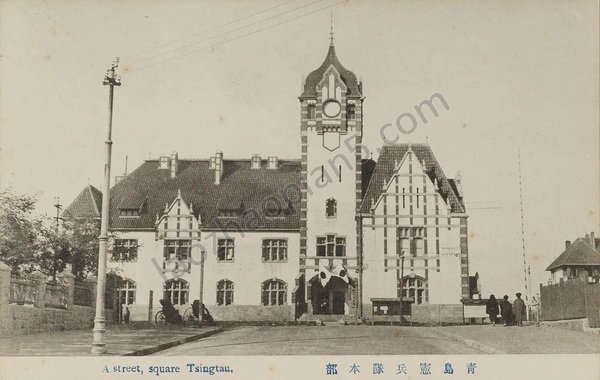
[
  {"x": 201, "y": 295},
  {"x": 401, "y": 284},
  {"x": 98, "y": 345}
]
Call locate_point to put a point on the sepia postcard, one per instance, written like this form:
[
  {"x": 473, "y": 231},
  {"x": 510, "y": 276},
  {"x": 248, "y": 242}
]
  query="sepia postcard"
[{"x": 284, "y": 189}]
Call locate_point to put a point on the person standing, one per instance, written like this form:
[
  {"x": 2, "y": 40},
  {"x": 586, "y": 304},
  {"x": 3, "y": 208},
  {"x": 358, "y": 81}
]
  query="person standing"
[
  {"x": 506, "y": 311},
  {"x": 519, "y": 310},
  {"x": 491, "y": 309}
]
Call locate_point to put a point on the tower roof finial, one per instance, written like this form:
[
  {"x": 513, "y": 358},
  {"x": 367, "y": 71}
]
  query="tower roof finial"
[{"x": 331, "y": 30}]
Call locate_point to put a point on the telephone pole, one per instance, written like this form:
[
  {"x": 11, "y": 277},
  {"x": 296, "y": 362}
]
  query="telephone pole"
[
  {"x": 523, "y": 239},
  {"x": 58, "y": 207},
  {"x": 98, "y": 345}
]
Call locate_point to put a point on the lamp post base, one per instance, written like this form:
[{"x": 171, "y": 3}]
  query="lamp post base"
[{"x": 98, "y": 345}]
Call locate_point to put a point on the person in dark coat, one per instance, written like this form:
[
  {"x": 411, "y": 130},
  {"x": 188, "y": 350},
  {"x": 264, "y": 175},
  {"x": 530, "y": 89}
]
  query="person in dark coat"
[
  {"x": 491, "y": 309},
  {"x": 519, "y": 310},
  {"x": 506, "y": 311}
]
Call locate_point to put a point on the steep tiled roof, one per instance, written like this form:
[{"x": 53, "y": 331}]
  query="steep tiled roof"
[
  {"x": 313, "y": 79},
  {"x": 88, "y": 204},
  {"x": 368, "y": 166},
  {"x": 253, "y": 189},
  {"x": 390, "y": 154},
  {"x": 580, "y": 252}
]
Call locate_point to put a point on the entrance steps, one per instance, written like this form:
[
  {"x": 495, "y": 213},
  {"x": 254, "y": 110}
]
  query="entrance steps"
[{"x": 330, "y": 319}]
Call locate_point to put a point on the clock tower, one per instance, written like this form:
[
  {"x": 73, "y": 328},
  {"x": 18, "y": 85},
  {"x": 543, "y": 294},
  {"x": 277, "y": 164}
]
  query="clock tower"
[{"x": 331, "y": 137}]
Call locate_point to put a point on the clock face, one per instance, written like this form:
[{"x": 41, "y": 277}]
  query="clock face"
[{"x": 331, "y": 108}]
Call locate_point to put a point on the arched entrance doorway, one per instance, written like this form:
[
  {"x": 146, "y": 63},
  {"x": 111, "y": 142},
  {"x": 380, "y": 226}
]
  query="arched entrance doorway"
[{"x": 333, "y": 298}]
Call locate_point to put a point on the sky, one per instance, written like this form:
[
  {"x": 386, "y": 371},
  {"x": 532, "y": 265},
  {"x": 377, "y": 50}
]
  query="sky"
[{"x": 198, "y": 76}]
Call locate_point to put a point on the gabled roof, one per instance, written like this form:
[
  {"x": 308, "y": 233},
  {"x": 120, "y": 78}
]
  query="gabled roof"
[
  {"x": 254, "y": 188},
  {"x": 580, "y": 252},
  {"x": 347, "y": 76},
  {"x": 385, "y": 167},
  {"x": 87, "y": 205}
]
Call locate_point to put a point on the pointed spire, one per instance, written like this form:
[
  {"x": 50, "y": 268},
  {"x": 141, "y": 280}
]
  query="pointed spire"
[
  {"x": 166, "y": 208},
  {"x": 191, "y": 207},
  {"x": 410, "y": 147},
  {"x": 178, "y": 193},
  {"x": 331, "y": 31}
]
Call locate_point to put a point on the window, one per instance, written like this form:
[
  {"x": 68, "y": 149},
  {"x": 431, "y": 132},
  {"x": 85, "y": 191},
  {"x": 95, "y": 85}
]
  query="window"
[
  {"x": 164, "y": 162},
  {"x": 419, "y": 247},
  {"x": 331, "y": 245},
  {"x": 351, "y": 112},
  {"x": 312, "y": 111},
  {"x": 414, "y": 287},
  {"x": 225, "y": 250},
  {"x": 224, "y": 292},
  {"x": 127, "y": 292},
  {"x": 177, "y": 249},
  {"x": 331, "y": 208},
  {"x": 255, "y": 162},
  {"x": 418, "y": 243},
  {"x": 129, "y": 212},
  {"x": 125, "y": 250},
  {"x": 176, "y": 291},
  {"x": 274, "y": 250},
  {"x": 274, "y": 292}
]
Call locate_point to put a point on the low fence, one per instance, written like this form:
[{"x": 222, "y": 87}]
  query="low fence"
[
  {"x": 33, "y": 304},
  {"x": 572, "y": 299},
  {"x": 22, "y": 291}
]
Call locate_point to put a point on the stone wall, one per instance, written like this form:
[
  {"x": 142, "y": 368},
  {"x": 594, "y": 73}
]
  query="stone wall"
[{"x": 18, "y": 318}]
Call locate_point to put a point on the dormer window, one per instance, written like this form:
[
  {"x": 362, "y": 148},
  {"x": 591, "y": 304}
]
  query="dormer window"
[
  {"x": 331, "y": 208},
  {"x": 255, "y": 161},
  {"x": 164, "y": 163},
  {"x": 351, "y": 112},
  {"x": 129, "y": 212},
  {"x": 273, "y": 162},
  {"x": 312, "y": 111}
]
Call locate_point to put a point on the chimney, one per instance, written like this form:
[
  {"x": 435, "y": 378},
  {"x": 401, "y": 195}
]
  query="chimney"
[
  {"x": 255, "y": 161},
  {"x": 593, "y": 239},
  {"x": 218, "y": 167},
  {"x": 174, "y": 164},
  {"x": 272, "y": 162},
  {"x": 587, "y": 238},
  {"x": 567, "y": 244}
]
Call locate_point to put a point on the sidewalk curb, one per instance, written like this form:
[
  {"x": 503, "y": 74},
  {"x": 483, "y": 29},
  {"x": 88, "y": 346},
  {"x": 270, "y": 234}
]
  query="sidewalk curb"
[
  {"x": 164, "y": 346},
  {"x": 470, "y": 343}
]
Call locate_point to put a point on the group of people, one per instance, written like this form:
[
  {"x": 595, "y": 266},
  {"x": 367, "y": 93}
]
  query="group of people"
[{"x": 511, "y": 314}]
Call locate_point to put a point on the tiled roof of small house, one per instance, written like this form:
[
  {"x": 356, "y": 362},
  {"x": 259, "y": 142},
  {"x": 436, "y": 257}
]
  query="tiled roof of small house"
[
  {"x": 347, "y": 76},
  {"x": 580, "y": 252},
  {"x": 87, "y": 205},
  {"x": 251, "y": 192},
  {"x": 390, "y": 154}
]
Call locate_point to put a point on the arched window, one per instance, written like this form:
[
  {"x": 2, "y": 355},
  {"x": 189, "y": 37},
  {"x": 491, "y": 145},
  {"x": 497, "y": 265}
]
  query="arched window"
[
  {"x": 331, "y": 208},
  {"x": 127, "y": 292},
  {"x": 312, "y": 111},
  {"x": 351, "y": 112},
  {"x": 176, "y": 291},
  {"x": 415, "y": 287},
  {"x": 274, "y": 292},
  {"x": 224, "y": 292}
]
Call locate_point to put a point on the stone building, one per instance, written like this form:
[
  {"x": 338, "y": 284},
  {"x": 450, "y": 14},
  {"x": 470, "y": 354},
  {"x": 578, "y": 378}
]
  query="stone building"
[
  {"x": 580, "y": 258},
  {"x": 293, "y": 239}
]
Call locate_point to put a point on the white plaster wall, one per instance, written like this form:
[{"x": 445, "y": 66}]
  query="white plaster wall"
[{"x": 318, "y": 193}]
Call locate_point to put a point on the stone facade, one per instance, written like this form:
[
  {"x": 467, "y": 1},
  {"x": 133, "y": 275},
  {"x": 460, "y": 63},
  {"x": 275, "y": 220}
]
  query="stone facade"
[{"x": 17, "y": 319}]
